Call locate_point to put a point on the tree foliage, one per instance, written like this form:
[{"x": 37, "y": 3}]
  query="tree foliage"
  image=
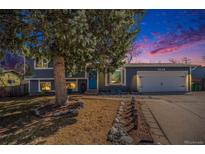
[{"x": 97, "y": 37}]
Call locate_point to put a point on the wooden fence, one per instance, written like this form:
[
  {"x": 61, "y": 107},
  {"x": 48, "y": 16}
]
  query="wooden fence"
[{"x": 14, "y": 91}]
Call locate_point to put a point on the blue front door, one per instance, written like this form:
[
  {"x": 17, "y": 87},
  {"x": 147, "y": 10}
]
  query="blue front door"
[{"x": 92, "y": 77}]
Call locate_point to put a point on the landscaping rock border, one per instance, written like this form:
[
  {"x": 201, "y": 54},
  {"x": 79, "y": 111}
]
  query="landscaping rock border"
[
  {"x": 126, "y": 113},
  {"x": 129, "y": 126}
]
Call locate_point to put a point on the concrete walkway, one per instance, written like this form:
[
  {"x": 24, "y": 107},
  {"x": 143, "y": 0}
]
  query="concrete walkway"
[{"x": 181, "y": 118}]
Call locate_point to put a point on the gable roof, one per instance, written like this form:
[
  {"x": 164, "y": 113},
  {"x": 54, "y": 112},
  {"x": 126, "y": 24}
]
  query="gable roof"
[{"x": 11, "y": 71}]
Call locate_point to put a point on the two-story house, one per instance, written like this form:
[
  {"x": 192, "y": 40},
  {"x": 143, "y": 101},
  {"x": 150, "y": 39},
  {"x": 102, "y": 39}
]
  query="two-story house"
[{"x": 141, "y": 77}]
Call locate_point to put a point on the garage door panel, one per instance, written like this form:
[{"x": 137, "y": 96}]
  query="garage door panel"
[{"x": 162, "y": 81}]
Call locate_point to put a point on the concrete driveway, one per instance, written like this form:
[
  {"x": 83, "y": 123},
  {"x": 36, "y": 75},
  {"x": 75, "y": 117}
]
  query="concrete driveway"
[{"x": 180, "y": 119}]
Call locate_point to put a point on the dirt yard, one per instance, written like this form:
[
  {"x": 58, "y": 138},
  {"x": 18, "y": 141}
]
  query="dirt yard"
[
  {"x": 89, "y": 127},
  {"x": 92, "y": 126}
]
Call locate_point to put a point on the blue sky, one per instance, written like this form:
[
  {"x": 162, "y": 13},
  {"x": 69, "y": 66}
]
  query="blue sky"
[{"x": 166, "y": 34}]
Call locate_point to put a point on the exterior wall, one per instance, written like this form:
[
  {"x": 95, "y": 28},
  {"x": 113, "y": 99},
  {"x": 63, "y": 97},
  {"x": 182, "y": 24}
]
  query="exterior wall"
[
  {"x": 34, "y": 86},
  {"x": 131, "y": 78},
  {"x": 35, "y": 76},
  {"x": 80, "y": 82},
  {"x": 48, "y": 72},
  {"x": 38, "y": 73}
]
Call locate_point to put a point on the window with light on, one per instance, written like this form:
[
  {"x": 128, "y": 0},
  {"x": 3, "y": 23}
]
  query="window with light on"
[
  {"x": 71, "y": 85},
  {"x": 45, "y": 86}
]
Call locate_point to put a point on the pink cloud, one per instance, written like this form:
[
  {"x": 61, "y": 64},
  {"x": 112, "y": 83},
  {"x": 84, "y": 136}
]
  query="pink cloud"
[{"x": 173, "y": 42}]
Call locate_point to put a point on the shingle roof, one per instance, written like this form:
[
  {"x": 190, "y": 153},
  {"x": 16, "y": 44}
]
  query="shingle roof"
[{"x": 156, "y": 65}]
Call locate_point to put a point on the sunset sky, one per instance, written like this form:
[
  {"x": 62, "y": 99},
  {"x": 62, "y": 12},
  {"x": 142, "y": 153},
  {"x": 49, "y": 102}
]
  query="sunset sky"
[{"x": 166, "y": 34}]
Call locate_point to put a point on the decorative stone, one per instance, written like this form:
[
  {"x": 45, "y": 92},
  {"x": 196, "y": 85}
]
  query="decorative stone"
[
  {"x": 126, "y": 116},
  {"x": 125, "y": 140},
  {"x": 80, "y": 104},
  {"x": 112, "y": 134},
  {"x": 59, "y": 113},
  {"x": 113, "y": 130},
  {"x": 119, "y": 116},
  {"x": 121, "y": 132},
  {"x": 117, "y": 120},
  {"x": 116, "y": 125},
  {"x": 122, "y": 103},
  {"x": 36, "y": 112},
  {"x": 72, "y": 111}
]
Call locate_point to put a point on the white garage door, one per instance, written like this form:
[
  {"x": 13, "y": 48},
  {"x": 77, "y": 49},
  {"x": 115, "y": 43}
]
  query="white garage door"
[{"x": 162, "y": 81}]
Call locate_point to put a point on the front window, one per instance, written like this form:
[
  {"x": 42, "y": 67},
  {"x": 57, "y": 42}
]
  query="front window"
[
  {"x": 71, "y": 85},
  {"x": 41, "y": 63},
  {"x": 116, "y": 77},
  {"x": 45, "y": 86}
]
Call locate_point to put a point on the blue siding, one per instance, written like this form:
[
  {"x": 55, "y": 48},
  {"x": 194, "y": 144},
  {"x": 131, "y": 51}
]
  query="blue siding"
[
  {"x": 34, "y": 86},
  {"x": 48, "y": 73},
  {"x": 39, "y": 73},
  {"x": 35, "y": 83}
]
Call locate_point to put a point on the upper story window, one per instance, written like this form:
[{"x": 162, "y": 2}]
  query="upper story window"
[
  {"x": 116, "y": 78},
  {"x": 41, "y": 63}
]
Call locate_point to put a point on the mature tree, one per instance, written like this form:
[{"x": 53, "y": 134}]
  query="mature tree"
[
  {"x": 72, "y": 39},
  {"x": 172, "y": 60},
  {"x": 133, "y": 53}
]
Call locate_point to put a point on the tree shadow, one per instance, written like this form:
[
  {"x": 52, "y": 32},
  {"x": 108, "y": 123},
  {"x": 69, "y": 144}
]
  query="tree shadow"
[
  {"x": 27, "y": 131},
  {"x": 23, "y": 126}
]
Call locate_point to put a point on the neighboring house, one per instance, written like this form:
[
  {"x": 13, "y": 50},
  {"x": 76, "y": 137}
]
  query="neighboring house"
[
  {"x": 198, "y": 78},
  {"x": 129, "y": 78},
  {"x": 9, "y": 78}
]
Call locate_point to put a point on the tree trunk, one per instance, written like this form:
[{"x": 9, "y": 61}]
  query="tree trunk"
[{"x": 60, "y": 83}]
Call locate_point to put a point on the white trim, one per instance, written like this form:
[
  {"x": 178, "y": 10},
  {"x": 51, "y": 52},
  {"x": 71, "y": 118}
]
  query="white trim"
[
  {"x": 106, "y": 76},
  {"x": 118, "y": 84},
  {"x": 42, "y": 68},
  {"x": 125, "y": 76},
  {"x": 29, "y": 87},
  {"x": 97, "y": 80},
  {"x": 86, "y": 73},
  {"x": 39, "y": 89},
  {"x": 24, "y": 59}
]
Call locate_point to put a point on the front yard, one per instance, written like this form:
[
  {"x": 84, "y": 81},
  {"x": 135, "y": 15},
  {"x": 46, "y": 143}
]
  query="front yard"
[{"x": 19, "y": 125}]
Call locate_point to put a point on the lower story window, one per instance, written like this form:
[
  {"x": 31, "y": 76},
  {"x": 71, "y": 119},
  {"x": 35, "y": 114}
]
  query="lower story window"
[
  {"x": 45, "y": 86},
  {"x": 116, "y": 77},
  {"x": 71, "y": 85}
]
